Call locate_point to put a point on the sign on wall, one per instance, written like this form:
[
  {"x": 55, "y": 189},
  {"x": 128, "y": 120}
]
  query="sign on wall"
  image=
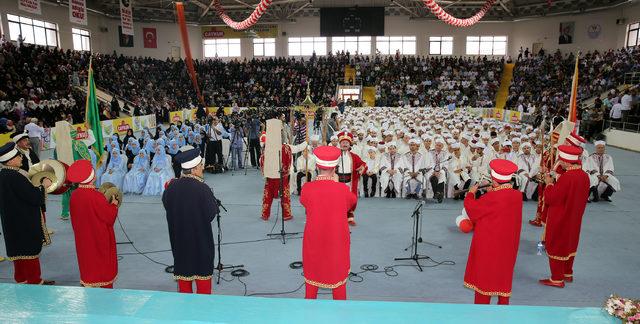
[
  {"x": 78, "y": 12},
  {"x": 126, "y": 17},
  {"x": 150, "y": 38},
  {"x": 257, "y": 31},
  {"x": 32, "y": 6}
]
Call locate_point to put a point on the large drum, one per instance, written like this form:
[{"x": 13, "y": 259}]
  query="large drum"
[{"x": 53, "y": 170}]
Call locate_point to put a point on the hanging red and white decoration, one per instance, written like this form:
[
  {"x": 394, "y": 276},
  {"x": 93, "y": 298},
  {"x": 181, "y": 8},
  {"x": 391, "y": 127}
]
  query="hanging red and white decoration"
[
  {"x": 451, "y": 20},
  {"x": 247, "y": 23}
]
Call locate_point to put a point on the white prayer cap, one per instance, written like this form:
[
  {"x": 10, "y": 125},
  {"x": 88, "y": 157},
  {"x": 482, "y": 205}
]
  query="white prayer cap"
[
  {"x": 596, "y": 143},
  {"x": 480, "y": 145},
  {"x": 439, "y": 140},
  {"x": 516, "y": 139},
  {"x": 414, "y": 141},
  {"x": 526, "y": 144},
  {"x": 495, "y": 140},
  {"x": 392, "y": 143},
  {"x": 371, "y": 148},
  {"x": 455, "y": 145},
  {"x": 334, "y": 137}
]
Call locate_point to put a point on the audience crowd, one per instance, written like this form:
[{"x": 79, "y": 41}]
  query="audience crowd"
[{"x": 40, "y": 82}]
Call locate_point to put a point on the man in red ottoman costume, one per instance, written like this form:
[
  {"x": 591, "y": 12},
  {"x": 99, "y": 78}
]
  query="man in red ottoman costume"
[
  {"x": 326, "y": 243},
  {"x": 350, "y": 168},
  {"x": 567, "y": 200},
  {"x": 92, "y": 219},
  {"x": 277, "y": 157},
  {"x": 497, "y": 219}
]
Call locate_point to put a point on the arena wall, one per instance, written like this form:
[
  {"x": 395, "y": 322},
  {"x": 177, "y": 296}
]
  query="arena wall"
[{"x": 523, "y": 33}]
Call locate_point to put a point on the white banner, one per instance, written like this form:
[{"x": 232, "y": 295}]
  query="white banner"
[
  {"x": 32, "y": 6},
  {"x": 78, "y": 12},
  {"x": 126, "y": 17}
]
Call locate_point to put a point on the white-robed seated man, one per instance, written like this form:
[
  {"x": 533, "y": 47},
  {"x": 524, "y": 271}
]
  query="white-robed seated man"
[
  {"x": 600, "y": 169},
  {"x": 306, "y": 166},
  {"x": 413, "y": 165},
  {"x": 528, "y": 169},
  {"x": 459, "y": 169},
  {"x": 479, "y": 164},
  {"x": 390, "y": 176},
  {"x": 436, "y": 173}
]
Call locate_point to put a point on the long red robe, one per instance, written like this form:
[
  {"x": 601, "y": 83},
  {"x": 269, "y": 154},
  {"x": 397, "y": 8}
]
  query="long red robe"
[
  {"x": 497, "y": 219},
  {"x": 272, "y": 185},
  {"x": 567, "y": 200},
  {"x": 92, "y": 219},
  {"x": 326, "y": 243},
  {"x": 356, "y": 163}
]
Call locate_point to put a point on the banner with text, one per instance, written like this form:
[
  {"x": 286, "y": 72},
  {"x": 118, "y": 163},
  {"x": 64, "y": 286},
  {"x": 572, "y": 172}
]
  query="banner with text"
[
  {"x": 32, "y": 6},
  {"x": 126, "y": 17},
  {"x": 257, "y": 31},
  {"x": 78, "y": 12}
]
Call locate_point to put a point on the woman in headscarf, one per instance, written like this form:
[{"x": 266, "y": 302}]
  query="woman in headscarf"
[
  {"x": 172, "y": 150},
  {"x": 149, "y": 146},
  {"x": 161, "y": 172},
  {"x": 116, "y": 169},
  {"x": 136, "y": 179},
  {"x": 131, "y": 150},
  {"x": 128, "y": 136},
  {"x": 181, "y": 141}
]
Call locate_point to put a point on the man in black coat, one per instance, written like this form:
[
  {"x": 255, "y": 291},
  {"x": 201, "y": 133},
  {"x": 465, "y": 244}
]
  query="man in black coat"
[
  {"x": 191, "y": 207},
  {"x": 23, "y": 224},
  {"x": 29, "y": 156}
]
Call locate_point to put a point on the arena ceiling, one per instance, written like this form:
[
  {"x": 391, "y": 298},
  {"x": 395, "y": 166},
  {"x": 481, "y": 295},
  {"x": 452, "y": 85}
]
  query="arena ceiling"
[{"x": 201, "y": 11}]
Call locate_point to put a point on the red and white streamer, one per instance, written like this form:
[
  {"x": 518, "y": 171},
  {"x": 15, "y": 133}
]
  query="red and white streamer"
[
  {"x": 247, "y": 23},
  {"x": 451, "y": 20}
]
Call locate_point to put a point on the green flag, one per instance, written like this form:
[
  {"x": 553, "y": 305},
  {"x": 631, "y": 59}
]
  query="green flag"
[{"x": 92, "y": 114}]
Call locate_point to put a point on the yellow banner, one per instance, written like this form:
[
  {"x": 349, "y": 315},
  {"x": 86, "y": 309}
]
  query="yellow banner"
[
  {"x": 498, "y": 114},
  {"x": 257, "y": 31},
  {"x": 175, "y": 116},
  {"x": 514, "y": 116},
  {"x": 122, "y": 125}
]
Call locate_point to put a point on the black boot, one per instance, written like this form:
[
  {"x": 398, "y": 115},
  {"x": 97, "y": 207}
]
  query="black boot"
[
  {"x": 594, "y": 193},
  {"x": 440, "y": 192},
  {"x": 607, "y": 194}
]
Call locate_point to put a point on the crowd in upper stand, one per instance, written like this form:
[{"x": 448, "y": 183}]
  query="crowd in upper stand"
[
  {"x": 40, "y": 82},
  {"x": 434, "y": 81},
  {"x": 544, "y": 80}
]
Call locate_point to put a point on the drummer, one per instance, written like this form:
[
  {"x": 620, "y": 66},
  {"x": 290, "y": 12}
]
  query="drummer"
[{"x": 92, "y": 219}]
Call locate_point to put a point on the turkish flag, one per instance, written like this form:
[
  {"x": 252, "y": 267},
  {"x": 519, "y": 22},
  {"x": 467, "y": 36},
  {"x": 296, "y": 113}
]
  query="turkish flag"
[{"x": 150, "y": 38}]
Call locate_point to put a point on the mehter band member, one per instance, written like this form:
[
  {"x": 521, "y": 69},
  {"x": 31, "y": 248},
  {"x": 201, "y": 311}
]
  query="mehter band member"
[
  {"x": 23, "y": 224},
  {"x": 326, "y": 243},
  {"x": 350, "y": 167},
  {"x": 497, "y": 220},
  {"x": 92, "y": 219},
  {"x": 191, "y": 207},
  {"x": 567, "y": 200}
]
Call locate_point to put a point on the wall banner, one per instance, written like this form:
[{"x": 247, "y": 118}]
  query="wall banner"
[
  {"x": 126, "y": 17},
  {"x": 31, "y": 6},
  {"x": 257, "y": 31},
  {"x": 78, "y": 12}
]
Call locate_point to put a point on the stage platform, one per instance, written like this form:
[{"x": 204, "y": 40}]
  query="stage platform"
[{"x": 47, "y": 304}]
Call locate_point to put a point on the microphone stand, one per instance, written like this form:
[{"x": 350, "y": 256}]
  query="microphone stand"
[
  {"x": 414, "y": 240},
  {"x": 282, "y": 233},
  {"x": 221, "y": 267}
]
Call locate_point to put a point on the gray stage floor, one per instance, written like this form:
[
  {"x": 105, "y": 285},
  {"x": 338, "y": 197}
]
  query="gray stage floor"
[{"x": 607, "y": 260}]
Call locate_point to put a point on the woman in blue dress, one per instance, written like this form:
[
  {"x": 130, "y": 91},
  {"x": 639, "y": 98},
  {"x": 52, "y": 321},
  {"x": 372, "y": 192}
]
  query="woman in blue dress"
[
  {"x": 131, "y": 150},
  {"x": 116, "y": 169},
  {"x": 136, "y": 179},
  {"x": 161, "y": 172}
]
